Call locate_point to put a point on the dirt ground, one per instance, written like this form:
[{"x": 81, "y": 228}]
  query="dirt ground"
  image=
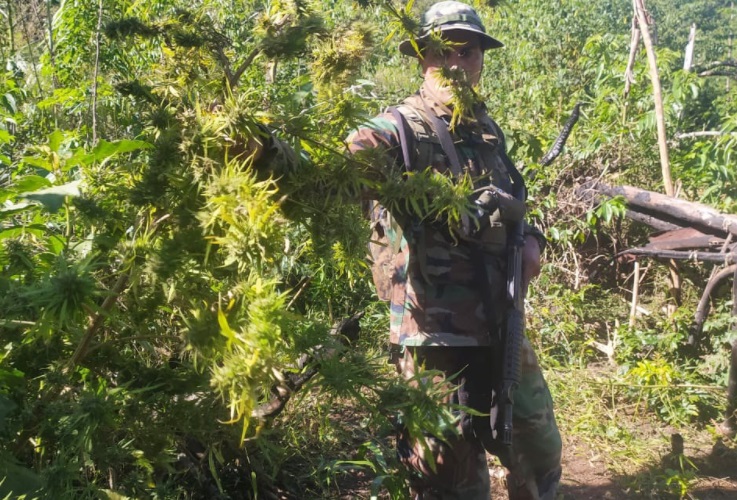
[{"x": 586, "y": 475}]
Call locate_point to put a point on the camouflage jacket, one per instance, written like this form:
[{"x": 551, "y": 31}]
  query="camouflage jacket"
[{"x": 435, "y": 295}]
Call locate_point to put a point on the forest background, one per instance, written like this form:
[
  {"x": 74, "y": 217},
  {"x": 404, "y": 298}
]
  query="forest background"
[{"x": 173, "y": 326}]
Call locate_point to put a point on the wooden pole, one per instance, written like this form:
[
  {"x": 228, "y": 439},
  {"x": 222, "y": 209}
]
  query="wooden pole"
[{"x": 639, "y": 7}]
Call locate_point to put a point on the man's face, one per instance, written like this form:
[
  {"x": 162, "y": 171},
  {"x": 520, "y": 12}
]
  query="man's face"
[{"x": 463, "y": 52}]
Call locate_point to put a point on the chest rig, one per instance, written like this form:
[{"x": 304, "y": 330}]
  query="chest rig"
[{"x": 477, "y": 151}]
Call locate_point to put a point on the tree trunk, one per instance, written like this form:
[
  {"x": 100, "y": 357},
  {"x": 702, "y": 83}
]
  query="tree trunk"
[
  {"x": 702, "y": 217},
  {"x": 688, "y": 57}
]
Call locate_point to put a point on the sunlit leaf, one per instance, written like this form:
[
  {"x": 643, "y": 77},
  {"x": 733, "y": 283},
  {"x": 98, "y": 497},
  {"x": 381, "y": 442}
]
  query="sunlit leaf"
[{"x": 53, "y": 198}]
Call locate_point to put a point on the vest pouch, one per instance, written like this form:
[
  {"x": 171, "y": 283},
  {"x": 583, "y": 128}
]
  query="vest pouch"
[
  {"x": 442, "y": 260},
  {"x": 493, "y": 238}
]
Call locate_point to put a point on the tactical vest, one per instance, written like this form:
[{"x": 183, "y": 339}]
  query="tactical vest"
[{"x": 481, "y": 150}]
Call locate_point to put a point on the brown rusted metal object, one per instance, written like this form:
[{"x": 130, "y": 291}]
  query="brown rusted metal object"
[{"x": 687, "y": 238}]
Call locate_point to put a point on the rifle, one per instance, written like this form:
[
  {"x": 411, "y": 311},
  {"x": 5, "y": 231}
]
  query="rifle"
[
  {"x": 499, "y": 441},
  {"x": 515, "y": 325},
  {"x": 515, "y": 312}
]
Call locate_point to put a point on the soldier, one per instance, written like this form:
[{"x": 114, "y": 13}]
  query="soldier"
[
  {"x": 438, "y": 313},
  {"x": 446, "y": 286}
]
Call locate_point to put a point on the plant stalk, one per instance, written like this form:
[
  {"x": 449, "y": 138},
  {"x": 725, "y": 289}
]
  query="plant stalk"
[
  {"x": 97, "y": 321},
  {"x": 11, "y": 26},
  {"x": 95, "y": 73}
]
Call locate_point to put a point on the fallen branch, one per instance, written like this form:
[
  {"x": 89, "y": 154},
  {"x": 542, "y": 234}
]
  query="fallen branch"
[
  {"x": 689, "y": 213},
  {"x": 687, "y": 239},
  {"x": 651, "y": 220},
  {"x": 717, "y": 388},
  {"x": 722, "y": 258}
]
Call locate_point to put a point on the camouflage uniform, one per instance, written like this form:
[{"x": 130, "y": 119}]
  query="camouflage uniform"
[
  {"x": 439, "y": 317},
  {"x": 439, "y": 321}
]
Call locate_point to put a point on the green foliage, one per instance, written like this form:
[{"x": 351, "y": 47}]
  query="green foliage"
[{"x": 157, "y": 287}]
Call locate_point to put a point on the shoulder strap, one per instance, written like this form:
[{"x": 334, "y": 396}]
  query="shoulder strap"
[
  {"x": 404, "y": 136},
  {"x": 446, "y": 141},
  {"x": 518, "y": 181}
]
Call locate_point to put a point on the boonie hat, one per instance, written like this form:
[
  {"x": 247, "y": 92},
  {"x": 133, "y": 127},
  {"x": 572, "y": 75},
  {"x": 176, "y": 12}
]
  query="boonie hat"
[{"x": 448, "y": 16}]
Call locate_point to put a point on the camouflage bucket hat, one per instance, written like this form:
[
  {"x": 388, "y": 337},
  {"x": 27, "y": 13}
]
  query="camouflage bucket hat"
[{"x": 448, "y": 16}]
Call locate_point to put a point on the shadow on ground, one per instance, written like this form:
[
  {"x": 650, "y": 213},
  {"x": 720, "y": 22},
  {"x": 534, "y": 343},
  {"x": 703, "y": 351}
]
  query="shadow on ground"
[{"x": 690, "y": 472}]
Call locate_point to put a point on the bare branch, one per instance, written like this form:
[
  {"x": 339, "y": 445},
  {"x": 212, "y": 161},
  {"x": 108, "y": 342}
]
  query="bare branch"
[
  {"x": 731, "y": 63},
  {"x": 703, "y": 133},
  {"x": 629, "y": 77},
  {"x": 244, "y": 66},
  {"x": 719, "y": 72},
  {"x": 560, "y": 142},
  {"x": 688, "y": 57},
  {"x": 702, "y": 310}
]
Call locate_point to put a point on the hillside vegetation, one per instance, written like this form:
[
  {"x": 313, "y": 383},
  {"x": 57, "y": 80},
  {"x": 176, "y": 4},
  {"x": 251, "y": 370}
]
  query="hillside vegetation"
[{"x": 175, "y": 326}]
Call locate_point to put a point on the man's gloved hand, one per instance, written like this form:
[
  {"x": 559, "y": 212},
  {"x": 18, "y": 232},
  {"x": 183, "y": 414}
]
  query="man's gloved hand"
[
  {"x": 487, "y": 202},
  {"x": 510, "y": 209}
]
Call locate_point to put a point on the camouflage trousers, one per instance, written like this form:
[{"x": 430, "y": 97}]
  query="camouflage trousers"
[{"x": 461, "y": 470}]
